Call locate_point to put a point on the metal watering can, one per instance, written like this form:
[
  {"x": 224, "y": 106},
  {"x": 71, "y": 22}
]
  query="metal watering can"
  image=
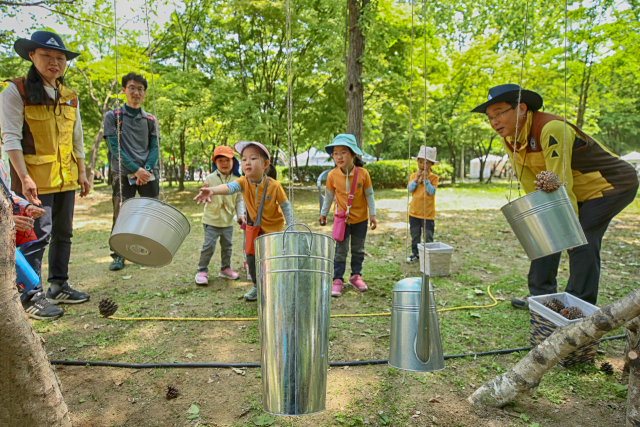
[{"x": 415, "y": 343}]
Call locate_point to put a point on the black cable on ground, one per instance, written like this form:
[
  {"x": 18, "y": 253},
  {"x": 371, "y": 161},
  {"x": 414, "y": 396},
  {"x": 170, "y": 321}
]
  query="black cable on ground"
[{"x": 257, "y": 365}]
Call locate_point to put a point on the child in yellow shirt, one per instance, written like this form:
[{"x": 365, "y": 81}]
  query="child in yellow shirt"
[
  {"x": 256, "y": 163},
  {"x": 217, "y": 218},
  {"x": 422, "y": 209},
  {"x": 344, "y": 150}
]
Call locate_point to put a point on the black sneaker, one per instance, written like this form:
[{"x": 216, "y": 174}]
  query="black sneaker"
[
  {"x": 40, "y": 308},
  {"x": 521, "y": 302},
  {"x": 67, "y": 295}
]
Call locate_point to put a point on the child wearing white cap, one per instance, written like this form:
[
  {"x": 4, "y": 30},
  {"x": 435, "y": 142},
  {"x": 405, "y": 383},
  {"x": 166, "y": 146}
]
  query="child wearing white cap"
[{"x": 422, "y": 209}]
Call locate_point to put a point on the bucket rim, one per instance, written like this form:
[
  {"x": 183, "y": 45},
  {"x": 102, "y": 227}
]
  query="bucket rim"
[
  {"x": 164, "y": 203},
  {"x": 529, "y": 195}
]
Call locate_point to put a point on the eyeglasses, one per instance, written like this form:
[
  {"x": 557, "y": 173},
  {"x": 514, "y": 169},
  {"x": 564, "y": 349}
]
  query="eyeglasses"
[
  {"x": 498, "y": 116},
  {"x": 136, "y": 89}
]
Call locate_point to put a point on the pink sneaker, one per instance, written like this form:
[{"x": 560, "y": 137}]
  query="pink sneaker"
[
  {"x": 202, "y": 278},
  {"x": 336, "y": 289},
  {"x": 356, "y": 282},
  {"x": 228, "y": 273}
]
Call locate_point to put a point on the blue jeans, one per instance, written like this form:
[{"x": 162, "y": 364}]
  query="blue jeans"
[{"x": 356, "y": 235}]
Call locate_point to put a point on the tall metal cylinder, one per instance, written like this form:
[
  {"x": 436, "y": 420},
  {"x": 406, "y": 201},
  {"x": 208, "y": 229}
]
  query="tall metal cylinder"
[{"x": 295, "y": 272}]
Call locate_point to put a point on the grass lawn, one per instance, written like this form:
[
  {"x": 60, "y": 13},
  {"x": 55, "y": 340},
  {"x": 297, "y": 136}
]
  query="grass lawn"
[{"x": 486, "y": 253}]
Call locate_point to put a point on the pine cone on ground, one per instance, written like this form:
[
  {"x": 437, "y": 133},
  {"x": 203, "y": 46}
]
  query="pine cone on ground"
[
  {"x": 107, "y": 307},
  {"x": 554, "y": 305},
  {"x": 172, "y": 392},
  {"x": 547, "y": 181},
  {"x": 607, "y": 368},
  {"x": 572, "y": 313}
]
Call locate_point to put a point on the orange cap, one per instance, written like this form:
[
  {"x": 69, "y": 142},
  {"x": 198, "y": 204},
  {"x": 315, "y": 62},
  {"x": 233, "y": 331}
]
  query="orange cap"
[{"x": 223, "y": 150}]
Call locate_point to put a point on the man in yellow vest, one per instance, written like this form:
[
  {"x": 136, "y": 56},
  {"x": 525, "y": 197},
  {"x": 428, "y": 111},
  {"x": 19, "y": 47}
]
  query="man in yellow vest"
[
  {"x": 42, "y": 133},
  {"x": 599, "y": 184}
]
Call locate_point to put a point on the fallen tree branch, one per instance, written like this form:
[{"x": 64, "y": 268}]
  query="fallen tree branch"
[
  {"x": 633, "y": 391},
  {"x": 526, "y": 375}
]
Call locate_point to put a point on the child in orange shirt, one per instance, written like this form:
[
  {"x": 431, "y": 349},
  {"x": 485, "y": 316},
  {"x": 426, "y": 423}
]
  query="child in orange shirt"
[
  {"x": 422, "y": 210},
  {"x": 276, "y": 210},
  {"x": 343, "y": 149}
]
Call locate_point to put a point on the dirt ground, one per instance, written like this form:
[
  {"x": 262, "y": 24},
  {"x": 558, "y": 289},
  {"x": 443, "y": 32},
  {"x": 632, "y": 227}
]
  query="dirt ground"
[{"x": 486, "y": 253}]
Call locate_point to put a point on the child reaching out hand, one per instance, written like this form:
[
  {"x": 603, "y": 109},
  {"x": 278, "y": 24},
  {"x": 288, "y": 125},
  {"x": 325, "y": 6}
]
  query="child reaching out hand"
[
  {"x": 422, "y": 210},
  {"x": 217, "y": 218},
  {"x": 276, "y": 210},
  {"x": 344, "y": 150}
]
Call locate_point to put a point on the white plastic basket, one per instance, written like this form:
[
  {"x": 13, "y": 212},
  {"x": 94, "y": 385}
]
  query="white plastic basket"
[
  {"x": 535, "y": 305},
  {"x": 435, "y": 258}
]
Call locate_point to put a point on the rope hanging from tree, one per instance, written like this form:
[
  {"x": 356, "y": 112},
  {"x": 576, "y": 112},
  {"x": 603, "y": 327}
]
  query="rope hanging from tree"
[
  {"x": 118, "y": 121},
  {"x": 425, "y": 177},
  {"x": 407, "y": 233},
  {"x": 515, "y": 141},
  {"x": 289, "y": 102},
  {"x": 153, "y": 90}
]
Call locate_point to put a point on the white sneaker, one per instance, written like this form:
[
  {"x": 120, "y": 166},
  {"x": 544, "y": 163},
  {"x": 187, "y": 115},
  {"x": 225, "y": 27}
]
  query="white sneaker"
[{"x": 413, "y": 258}]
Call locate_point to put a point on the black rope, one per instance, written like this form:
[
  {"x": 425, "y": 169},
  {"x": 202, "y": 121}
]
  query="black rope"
[{"x": 257, "y": 365}]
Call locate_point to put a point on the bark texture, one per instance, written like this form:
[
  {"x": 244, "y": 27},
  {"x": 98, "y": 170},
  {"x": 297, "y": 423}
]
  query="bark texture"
[
  {"x": 633, "y": 392},
  {"x": 353, "y": 88},
  {"x": 30, "y": 391},
  {"x": 525, "y": 376}
]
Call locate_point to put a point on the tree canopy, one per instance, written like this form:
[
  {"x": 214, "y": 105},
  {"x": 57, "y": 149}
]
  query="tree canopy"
[{"x": 220, "y": 70}]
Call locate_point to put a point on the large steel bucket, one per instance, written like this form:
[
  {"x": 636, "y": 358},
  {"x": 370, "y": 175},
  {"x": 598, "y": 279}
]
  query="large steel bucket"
[
  {"x": 148, "y": 232},
  {"x": 544, "y": 223},
  {"x": 295, "y": 273}
]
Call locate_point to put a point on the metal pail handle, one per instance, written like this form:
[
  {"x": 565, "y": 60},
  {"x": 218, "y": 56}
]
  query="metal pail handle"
[{"x": 310, "y": 241}]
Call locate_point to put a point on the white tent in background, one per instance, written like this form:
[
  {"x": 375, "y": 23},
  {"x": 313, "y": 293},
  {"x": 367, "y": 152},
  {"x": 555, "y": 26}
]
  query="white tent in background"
[
  {"x": 491, "y": 160},
  {"x": 633, "y": 157},
  {"x": 321, "y": 158}
]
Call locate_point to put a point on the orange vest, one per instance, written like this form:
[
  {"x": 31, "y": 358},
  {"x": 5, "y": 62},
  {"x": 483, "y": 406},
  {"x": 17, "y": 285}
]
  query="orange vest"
[{"x": 47, "y": 142}]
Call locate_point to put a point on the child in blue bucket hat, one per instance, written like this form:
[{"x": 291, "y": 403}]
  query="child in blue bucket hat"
[{"x": 349, "y": 182}]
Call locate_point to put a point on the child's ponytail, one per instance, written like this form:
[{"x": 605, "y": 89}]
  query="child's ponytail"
[
  {"x": 271, "y": 172},
  {"x": 358, "y": 162}
]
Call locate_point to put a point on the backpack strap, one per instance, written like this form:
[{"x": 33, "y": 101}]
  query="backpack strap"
[{"x": 261, "y": 207}]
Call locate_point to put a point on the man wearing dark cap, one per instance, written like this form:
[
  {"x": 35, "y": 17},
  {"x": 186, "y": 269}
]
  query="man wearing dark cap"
[{"x": 599, "y": 184}]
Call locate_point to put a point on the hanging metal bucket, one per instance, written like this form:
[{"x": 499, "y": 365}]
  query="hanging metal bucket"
[
  {"x": 295, "y": 273},
  {"x": 148, "y": 232},
  {"x": 544, "y": 223}
]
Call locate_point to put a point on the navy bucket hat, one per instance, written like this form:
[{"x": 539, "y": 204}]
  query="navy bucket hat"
[
  {"x": 43, "y": 40},
  {"x": 509, "y": 92}
]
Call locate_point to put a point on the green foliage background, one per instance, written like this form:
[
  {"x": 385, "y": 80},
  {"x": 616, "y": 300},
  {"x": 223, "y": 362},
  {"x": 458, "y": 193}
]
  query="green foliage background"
[{"x": 220, "y": 71}]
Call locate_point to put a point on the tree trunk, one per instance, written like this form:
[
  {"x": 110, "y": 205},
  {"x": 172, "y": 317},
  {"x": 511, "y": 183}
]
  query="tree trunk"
[
  {"x": 584, "y": 89},
  {"x": 633, "y": 392},
  {"x": 353, "y": 88},
  {"x": 462, "y": 165},
  {"x": 31, "y": 390},
  {"x": 93, "y": 154},
  {"x": 182, "y": 150},
  {"x": 525, "y": 376}
]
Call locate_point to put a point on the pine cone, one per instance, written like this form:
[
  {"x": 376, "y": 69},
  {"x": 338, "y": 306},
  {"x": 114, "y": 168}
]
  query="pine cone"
[
  {"x": 607, "y": 368},
  {"x": 172, "y": 392},
  {"x": 572, "y": 313},
  {"x": 107, "y": 307},
  {"x": 554, "y": 305},
  {"x": 547, "y": 181}
]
